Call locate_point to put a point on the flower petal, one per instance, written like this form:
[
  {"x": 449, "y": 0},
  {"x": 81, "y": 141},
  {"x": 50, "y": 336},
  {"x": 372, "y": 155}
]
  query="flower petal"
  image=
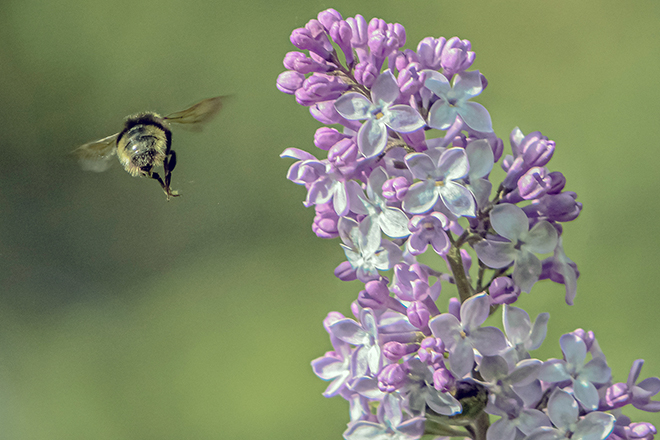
[
  {"x": 420, "y": 198},
  {"x": 476, "y": 117},
  {"x": 404, "y": 119},
  {"x": 353, "y": 106},
  {"x": 509, "y": 221},
  {"x": 372, "y": 138},
  {"x": 384, "y": 89},
  {"x": 441, "y": 115}
]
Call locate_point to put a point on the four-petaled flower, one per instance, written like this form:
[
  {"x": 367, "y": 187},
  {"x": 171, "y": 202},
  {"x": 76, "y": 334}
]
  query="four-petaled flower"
[{"x": 380, "y": 114}]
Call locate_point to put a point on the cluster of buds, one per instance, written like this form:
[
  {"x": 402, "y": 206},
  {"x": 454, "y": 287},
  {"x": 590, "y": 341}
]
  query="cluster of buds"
[{"x": 409, "y": 158}]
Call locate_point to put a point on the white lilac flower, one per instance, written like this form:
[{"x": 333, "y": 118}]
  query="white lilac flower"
[
  {"x": 380, "y": 114},
  {"x": 520, "y": 332},
  {"x": 564, "y": 413},
  {"x": 454, "y": 101},
  {"x": 510, "y": 222},
  {"x": 364, "y": 336},
  {"x": 583, "y": 376},
  {"x": 391, "y": 220},
  {"x": 461, "y": 337},
  {"x": 390, "y": 425},
  {"x": 439, "y": 173},
  {"x": 365, "y": 249}
]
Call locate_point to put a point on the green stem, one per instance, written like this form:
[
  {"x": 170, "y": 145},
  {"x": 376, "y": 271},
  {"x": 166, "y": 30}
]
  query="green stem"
[{"x": 465, "y": 290}]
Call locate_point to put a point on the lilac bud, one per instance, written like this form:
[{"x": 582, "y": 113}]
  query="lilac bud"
[
  {"x": 399, "y": 60},
  {"x": 443, "y": 380},
  {"x": 301, "y": 63},
  {"x": 359, "y": 30},
  {"x": 498, "y": 148},
  {"x": 617, "y": 396},
  {"x": 400, "y": 32},
  {"x": 375, "y": 296},
  {"x": 454, "y": 307},
  {"x": 409, "y": 81},
  {"x": 345, "y": 272},
  {"x": 329, "y": 17},
  {"x": 558, "y": 207},
  {"x": 431, "y": 351},
  {"x": 290, "y": 81},
  {"x": 503, "y": 291},
  {"x": 536, "y": 149},
  {"x": 587, "y": 337},
  {"x": 456, "y": 56},
  {"x": 366, "y": 73},
  {"x": 396, "y": 189},
  {"x": 391, "y": 378},
  {"x": 343, "y": 154},
  {"x": 325, "y": 113},
  {"x": 534, "y": 183},
  {"x": 418, "y": 315},
  {"x": 326, "y": 137},
  {"x": 325, "y": 221},
  {"x": 394, "y": 350},
  {"x": 558, "y": 182},
  {"x": 342, "y": 34},
  {"x": 305, "y": 39},
  {"x": 430, "y": 52},
  {"x": 319, "y": 88},
  {"x": 641, "y": 431}
]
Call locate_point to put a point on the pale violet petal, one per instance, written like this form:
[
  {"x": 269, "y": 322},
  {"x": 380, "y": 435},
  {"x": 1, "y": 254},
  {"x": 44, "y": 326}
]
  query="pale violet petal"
[
  {"x": 421, "y": 165},
  {"x": 458, "y": 199},
  {"x": 476, "y": 117},
  {"x": 372, "y": 138},
  {"x": 542, "y": 238},
  {"x": 436, "y": 82},
  {"x": 468, "y": 84},
  {"x": 574, "y": 349},
  {"x": 353, "y": 106},
  {"x": 481, "y": 189},
  {"x": 375, "y": 184},
  {"x": 488, "y": 340},
  {"x": 495, "y": 254},
  {"x": 502, "y": 429},
  {"x": 441, "y": 115},
  {"x": 475, "y": 311},
  {"x": 554, "y": 370},
  {"x": 562, "y": 409},
  {"x": 509, "y": 221},
  {"x": 340, "y": 198},
  {"x": 594, "y": 426},
  {"x": 461, "y": 358},
  {"x": 349, "y": 331},
  {"x": 384, "y": 89},
  {"x": 446, "y": 327},
  {"x": 585, "y": 392},
  {"x": 481, "y": 159},
  {"x": 539, "y": 331},
  {"x": 526, "y": 271},
  {"x": 454, "y": 164},
  {"x": 421, "y": 197},
  {"x": 517, "y": 324},
  {"x": 394, "y": 223},
  {"x": 404, "y": 119},
  {"x": 443, "y": 403},
  {"x": 361, "y": 430}
]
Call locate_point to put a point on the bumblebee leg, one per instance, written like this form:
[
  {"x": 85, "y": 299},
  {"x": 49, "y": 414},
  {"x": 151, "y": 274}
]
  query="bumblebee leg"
[
  {"x": 166, "y": 187},
  {"x": 168, "y": 164}
]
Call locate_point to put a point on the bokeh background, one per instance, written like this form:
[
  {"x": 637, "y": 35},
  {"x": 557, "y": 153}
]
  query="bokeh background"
[{"x": 123, "y": 316}]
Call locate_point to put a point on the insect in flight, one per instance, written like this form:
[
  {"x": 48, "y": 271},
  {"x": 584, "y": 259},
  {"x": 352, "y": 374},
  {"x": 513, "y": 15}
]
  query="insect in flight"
[{"x": 145, "y": 143}]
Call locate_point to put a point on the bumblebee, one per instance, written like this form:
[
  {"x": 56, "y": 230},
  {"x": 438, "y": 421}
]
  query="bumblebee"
[{"x": 145, "y": 143}]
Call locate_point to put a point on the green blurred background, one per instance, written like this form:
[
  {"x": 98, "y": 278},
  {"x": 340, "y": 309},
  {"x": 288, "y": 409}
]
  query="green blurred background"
[{"x": 123, "y": 316}]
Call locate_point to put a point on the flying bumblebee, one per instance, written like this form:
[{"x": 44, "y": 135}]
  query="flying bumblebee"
[{"x": 145, "y": 143}]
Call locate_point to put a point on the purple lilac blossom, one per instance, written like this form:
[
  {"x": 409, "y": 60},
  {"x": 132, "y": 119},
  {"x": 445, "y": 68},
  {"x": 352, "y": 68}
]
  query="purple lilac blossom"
[{"x": 410, "y": 156}]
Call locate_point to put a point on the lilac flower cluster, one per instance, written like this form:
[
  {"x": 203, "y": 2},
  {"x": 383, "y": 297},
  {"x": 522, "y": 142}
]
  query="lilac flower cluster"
[{"x": 409, "y": 159}]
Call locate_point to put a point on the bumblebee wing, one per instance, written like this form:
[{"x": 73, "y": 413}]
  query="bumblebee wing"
[
  {"x": 194, "y": 117},
  {"x": 97, "y": 155}
]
